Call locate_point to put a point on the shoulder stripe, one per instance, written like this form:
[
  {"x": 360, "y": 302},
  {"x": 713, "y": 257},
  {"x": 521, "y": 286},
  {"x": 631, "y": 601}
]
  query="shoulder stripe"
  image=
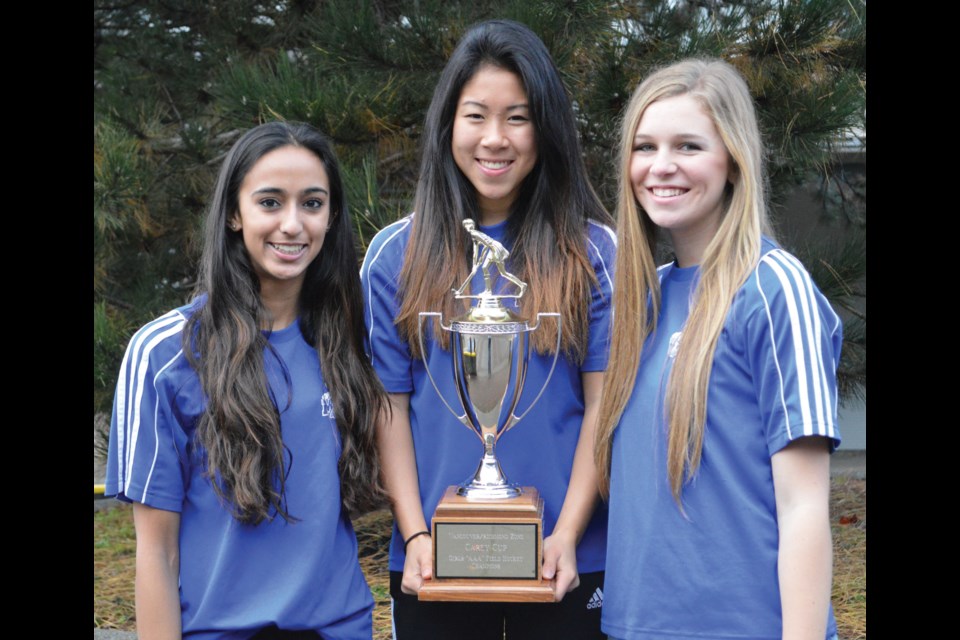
[
  {"x": 610, "y": 232},
  {"x": 367, "y": 265},
  {"x": 823, "y": 396},
  {"x": 596, "y": 249},
  {"x": 130, "y": 387},
  {"x": 791, "y": 305},
  {"x": 812, "y": 389},
  {"x": 156, "y": 422}
]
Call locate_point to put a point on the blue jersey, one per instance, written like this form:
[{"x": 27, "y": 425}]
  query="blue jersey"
[
  {"x": 539, "y": 450},
  {"x": 713, "y": 573},
  {"x": 235, "y": 578}
]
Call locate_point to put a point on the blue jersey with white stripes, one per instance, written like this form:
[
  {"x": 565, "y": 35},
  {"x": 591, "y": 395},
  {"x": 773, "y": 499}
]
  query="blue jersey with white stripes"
[
  {"x": 236, "y": 578},
  {"x": 539, "y": 450},
  {"x": 713, "y": 573}
]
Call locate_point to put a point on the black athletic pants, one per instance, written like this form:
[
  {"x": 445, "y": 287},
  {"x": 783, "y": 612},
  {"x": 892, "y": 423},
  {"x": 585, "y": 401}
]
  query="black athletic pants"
[{"x": 576, "y": 617}]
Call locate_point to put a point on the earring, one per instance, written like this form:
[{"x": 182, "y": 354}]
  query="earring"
[{"x": 234, "y": 226}]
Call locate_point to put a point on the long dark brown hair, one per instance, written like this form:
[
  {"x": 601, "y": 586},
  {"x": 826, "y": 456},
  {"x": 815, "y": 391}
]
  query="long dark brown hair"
[
  {"x": 548, "y": 219},
  {"x": 239, "y": 431}
]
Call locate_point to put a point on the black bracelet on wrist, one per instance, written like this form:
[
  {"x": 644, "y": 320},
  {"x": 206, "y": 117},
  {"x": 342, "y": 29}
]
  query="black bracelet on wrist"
[{"x": 407, "y": 541}]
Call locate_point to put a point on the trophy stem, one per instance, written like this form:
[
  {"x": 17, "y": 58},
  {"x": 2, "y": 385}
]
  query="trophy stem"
[{"x": 488, "y": 481}]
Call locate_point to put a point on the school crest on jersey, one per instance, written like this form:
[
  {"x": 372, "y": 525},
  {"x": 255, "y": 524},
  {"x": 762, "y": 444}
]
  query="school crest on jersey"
[{"x": 326, "y": 405}]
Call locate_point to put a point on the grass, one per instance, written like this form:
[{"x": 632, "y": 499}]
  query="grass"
[
  {"x": 114, "y": 560},
  {"x": 114, "y": 547},
  {"x": 848, "y": 520}
]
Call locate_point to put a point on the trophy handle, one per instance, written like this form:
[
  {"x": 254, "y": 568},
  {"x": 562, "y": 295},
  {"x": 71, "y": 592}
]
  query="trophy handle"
[
  {"x": 514, "y": 418},
  {"x": 426, "y": 364}
]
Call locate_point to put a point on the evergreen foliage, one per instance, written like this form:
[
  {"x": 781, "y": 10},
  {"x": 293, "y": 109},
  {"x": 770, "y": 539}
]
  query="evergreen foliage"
[{"x": 175, "y": 82}]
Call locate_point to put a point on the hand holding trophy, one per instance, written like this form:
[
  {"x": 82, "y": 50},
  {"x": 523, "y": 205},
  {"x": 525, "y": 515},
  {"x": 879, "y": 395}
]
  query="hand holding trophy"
[{"x": 487, "y": 532}]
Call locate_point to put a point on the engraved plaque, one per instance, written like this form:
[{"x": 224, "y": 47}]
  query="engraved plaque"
[{"x": 486, "y": 550}]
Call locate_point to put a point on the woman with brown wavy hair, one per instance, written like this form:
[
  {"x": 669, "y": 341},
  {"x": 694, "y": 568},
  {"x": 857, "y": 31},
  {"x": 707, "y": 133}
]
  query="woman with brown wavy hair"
[{"x": 244, "y": 422}]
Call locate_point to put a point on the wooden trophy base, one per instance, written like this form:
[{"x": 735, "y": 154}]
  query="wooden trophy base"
[{"x": 488, "y": 550}]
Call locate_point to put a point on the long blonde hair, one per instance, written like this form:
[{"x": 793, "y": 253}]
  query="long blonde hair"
[{"x": 725, "y": 265}]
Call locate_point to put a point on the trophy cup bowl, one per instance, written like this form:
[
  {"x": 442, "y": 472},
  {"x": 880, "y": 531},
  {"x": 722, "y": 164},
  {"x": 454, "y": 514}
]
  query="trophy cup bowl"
[{"x": 489, "y": 362}]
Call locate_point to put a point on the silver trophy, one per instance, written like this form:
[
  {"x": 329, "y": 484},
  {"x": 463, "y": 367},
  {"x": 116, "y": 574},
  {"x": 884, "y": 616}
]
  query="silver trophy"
[{"x": 490, "y": 346}]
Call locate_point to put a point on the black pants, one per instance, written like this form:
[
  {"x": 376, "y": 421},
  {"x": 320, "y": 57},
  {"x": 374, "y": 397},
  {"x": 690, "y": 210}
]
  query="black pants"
[{"x": 576, "y": 617}]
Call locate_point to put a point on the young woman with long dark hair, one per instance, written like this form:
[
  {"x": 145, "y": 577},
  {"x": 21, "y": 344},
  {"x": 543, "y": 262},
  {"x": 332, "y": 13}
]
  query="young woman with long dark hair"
[
  {"x": 244, "y": 422},
  {"x": 500, "y": 149}
]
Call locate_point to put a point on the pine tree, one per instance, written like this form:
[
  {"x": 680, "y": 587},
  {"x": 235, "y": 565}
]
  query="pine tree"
[{"x": 177, "y": 81}]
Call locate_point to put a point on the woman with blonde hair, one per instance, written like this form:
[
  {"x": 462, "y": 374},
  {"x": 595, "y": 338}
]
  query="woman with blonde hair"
[{"x": 719, "y": 403}]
